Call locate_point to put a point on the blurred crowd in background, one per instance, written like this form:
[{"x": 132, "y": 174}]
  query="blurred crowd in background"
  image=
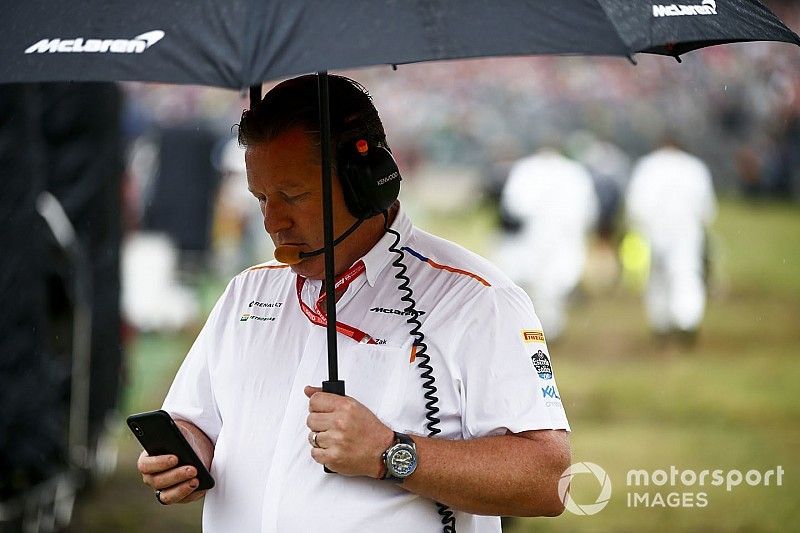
[{"x": 457, "y": 129}]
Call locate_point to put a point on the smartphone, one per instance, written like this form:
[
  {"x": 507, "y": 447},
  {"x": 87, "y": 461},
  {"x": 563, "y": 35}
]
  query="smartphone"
[{"x": 158, "y": 434}]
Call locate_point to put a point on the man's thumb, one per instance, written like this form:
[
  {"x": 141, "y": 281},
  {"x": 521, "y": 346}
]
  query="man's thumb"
[{"x": 310, "y": 391}]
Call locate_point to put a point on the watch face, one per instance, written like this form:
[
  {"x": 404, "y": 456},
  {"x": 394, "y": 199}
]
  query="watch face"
[{"x": 402, "y": 460}]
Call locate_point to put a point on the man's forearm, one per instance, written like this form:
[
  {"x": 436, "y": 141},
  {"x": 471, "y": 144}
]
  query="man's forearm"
[
  {"x": 515, "y": 475},
  {"x": 199, "y": 441}
]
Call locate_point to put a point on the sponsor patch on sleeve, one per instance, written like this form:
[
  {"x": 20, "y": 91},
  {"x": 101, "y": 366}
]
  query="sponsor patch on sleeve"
[
  {"x": 542, "y": 364},
  {"x": 532, "y": 335}
]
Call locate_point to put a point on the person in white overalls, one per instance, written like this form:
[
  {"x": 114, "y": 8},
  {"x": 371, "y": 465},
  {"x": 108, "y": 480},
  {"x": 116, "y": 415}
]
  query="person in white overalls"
[
  {"x": 671, "y": 202},
  {"x": 554, "y": 200}
]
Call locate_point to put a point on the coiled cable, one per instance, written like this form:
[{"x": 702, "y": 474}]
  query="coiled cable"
[{"x": 423, "y": 359}]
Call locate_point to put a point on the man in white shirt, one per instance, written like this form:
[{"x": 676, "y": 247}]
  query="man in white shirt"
[
  {"x": 671, "y": 201},
  {"x": 467, "y": 413}
]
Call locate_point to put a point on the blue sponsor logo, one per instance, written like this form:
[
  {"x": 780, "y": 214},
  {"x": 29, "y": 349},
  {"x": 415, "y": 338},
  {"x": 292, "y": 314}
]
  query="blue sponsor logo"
[{"x": 550, "y": 392}]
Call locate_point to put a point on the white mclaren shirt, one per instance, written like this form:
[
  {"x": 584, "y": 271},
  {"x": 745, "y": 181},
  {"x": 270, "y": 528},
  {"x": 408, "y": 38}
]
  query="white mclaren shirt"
[{"x": 242, "y": 384}]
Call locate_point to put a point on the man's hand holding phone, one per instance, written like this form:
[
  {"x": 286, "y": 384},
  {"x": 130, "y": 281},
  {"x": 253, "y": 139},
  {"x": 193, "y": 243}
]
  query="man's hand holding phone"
[{"x": 173, "y": 480}]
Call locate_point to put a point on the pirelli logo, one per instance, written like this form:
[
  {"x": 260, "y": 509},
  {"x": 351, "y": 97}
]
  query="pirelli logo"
[{"x": 532, "y": 335}]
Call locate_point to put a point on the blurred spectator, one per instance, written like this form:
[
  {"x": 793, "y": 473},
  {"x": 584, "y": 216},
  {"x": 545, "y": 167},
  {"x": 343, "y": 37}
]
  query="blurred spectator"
[
  {"x": 554, "y": 202},
  {"x": 239, "y": 237},
  {"x": 610, "y": 169},
  {"x": 153, "y": 297},
  {"x": 180, "y": 198},
  {"x": 671, "y": 202}
]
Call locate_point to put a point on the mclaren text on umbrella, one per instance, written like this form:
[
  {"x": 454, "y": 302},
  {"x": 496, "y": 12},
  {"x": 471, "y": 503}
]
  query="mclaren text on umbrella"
[
  {"x": 707, "y": 7},
  {"x": 137, "y": 45}
]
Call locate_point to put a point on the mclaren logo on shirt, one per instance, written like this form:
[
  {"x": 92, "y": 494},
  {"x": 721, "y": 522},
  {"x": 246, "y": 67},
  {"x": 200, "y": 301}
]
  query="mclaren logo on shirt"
[
  {"x": 390, "y": 311},
  {"x": 137, "y": 45}
]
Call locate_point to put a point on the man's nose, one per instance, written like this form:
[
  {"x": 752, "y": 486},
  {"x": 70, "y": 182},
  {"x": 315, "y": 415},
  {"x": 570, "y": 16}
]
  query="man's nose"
[{"x": 276, "y": 217}]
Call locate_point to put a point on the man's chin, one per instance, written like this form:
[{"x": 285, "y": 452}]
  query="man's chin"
[{"x": 307, "y": 269}]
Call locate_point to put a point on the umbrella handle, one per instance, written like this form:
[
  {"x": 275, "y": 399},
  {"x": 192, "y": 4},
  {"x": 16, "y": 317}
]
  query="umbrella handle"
[{"x": 335, "y": 387}]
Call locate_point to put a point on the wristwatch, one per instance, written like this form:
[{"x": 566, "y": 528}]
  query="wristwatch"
[{"x": 400, "y": 458}]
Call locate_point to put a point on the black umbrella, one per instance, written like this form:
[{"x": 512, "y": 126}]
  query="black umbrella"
[{"x": 241, "y": 43}]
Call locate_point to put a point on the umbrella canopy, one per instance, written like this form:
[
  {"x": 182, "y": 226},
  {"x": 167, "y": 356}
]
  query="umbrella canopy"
[{"x": 240, "y": 43}]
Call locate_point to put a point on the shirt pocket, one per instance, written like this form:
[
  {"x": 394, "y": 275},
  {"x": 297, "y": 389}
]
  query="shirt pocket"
[{"x": 375, "y": 375}]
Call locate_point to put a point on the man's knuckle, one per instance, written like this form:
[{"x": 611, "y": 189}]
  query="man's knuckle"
[{"x": 335, "y": 455}]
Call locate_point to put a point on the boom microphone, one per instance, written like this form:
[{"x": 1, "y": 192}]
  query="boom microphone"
[{"x": 290, "y": 254}]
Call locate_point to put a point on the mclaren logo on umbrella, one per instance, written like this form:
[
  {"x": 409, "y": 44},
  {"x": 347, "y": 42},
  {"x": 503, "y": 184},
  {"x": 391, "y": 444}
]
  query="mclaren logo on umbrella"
[
  {"x": 707, "y": 7},
  {"x": 137, "y": 45}
]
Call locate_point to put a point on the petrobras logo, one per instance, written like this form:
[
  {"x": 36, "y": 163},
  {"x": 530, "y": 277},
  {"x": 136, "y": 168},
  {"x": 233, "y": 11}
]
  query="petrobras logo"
[
  {"x": 707, "y": 7},
  {"x": 137, "y": 45},
  {"x": 248, "y": 317}
]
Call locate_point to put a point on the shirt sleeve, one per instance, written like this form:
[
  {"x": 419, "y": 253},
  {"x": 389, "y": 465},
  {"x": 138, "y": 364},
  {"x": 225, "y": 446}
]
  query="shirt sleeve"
[
  {"x": 191, "y": 395},
  {"x": 507, "y": 377}
]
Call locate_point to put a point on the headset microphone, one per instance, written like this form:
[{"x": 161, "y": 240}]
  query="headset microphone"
[{"x": 289, "y": 254}]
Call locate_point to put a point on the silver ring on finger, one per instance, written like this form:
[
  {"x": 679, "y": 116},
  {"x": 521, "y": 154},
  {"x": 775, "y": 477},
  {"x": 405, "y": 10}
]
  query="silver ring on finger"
[
  {"x": 313, "y": 439},
  {"x": 158, "y": 498}
]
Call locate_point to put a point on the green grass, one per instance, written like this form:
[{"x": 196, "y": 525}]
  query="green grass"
[
  {"x": 729, "y": 403},
  {"x": 760, "y": 246}
]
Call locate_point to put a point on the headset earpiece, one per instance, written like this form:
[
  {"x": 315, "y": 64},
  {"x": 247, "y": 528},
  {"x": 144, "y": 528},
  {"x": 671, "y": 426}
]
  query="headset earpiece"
[{"x": 369, "y": 176}]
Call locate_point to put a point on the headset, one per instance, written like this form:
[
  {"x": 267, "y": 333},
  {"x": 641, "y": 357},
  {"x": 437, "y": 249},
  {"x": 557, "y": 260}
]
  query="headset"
[{"x": 369, "y": 177}]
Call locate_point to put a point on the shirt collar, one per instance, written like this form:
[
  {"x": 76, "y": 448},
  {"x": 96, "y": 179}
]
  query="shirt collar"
[{"x": 379, "y": 256}]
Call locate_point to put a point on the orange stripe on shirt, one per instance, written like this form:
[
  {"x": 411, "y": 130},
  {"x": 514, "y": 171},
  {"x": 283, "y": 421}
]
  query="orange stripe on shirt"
[
  {"x": 434, "y": 264},
  {"x": 266, "y": 266}
]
